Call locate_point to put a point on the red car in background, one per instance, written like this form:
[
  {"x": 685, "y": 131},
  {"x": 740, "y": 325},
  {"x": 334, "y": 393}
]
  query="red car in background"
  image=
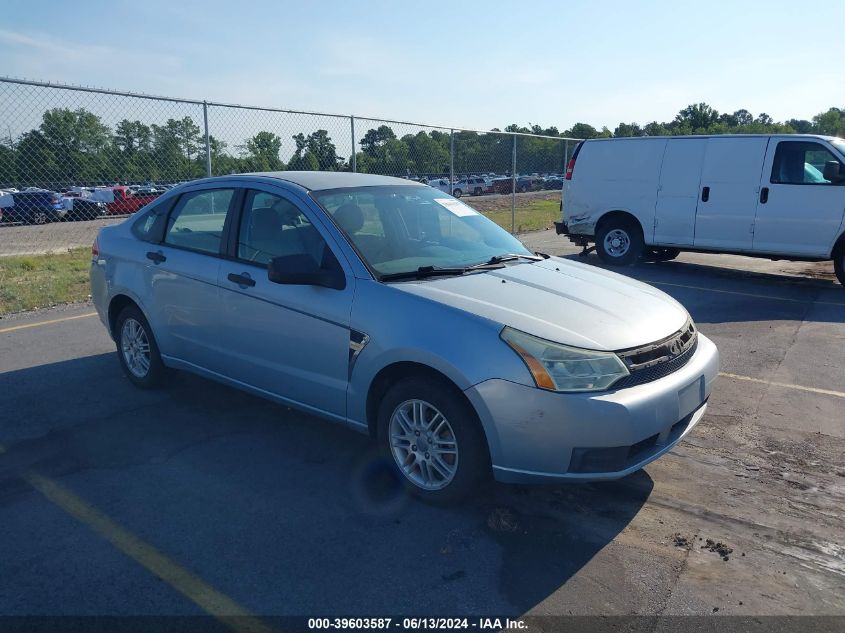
[{"x": 126, "y": 201}]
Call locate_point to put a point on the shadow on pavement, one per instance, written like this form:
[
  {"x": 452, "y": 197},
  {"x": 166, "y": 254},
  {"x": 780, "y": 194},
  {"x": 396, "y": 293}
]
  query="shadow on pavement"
[{"x": 283, "y": 512}]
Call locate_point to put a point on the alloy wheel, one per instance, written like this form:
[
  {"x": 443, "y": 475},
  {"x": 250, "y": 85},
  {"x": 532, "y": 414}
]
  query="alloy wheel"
[
  {"x": 135, "y": 346},
  {"x": 423, "y": 444}
]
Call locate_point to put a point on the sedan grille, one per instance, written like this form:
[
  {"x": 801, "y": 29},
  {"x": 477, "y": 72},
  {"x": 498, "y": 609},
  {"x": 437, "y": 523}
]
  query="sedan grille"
[{"x": 654, "y": 361}]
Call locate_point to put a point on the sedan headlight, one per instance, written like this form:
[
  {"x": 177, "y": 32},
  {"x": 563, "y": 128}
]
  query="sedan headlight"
[{"x": 560, "y": 368}]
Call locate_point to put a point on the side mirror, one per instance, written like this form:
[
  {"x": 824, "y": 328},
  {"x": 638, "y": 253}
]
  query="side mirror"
[
  {"x": 302, "y": 270},
  {"x": 833, "y": 172}
]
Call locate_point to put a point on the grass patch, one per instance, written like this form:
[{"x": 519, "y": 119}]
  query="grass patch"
[
  {"x": 535, "y": 215},
  {"x": 29, "y": 282}
]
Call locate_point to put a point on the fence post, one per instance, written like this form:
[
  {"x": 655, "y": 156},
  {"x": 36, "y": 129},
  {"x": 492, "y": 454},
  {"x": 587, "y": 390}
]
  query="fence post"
[
  {"x": 451, "y": 160},
  {"x": 207, "y": 142},
  {"x": 565, "y": 154},
  {"x": 513, "y": 188},
  {"x": 354, "y": 157}
]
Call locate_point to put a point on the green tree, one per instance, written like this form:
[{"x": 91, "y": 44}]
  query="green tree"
[
  {"x": 831, "y": 122},
  {"x": 262, "y": 153},
  {"x": 628, "y": 129},
  {"x": 176, "y": 146},
  {"x": 375, "y": 138}
]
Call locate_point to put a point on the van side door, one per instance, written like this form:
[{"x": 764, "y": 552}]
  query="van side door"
[
  {"x": 727, "y": 201},
  {"x": 677, "y": 192},
  {"x": 799, "y": 211}
]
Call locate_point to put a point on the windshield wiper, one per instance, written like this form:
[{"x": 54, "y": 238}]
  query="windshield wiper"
[
  {"x": 434, "y": 271},
  {"x": 506, "y": 257}
]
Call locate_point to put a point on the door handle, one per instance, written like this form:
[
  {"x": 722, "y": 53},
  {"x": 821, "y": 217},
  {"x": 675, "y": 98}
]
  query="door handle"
[
  {"x": 764, "y": 195},
  {"x": 242, "y": 280},
  {"x": 156, "y": 256},
  {"x": 705, "y": 194}
]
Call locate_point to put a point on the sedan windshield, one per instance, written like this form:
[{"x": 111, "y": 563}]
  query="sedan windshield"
[{"x": 402, "y": 229}]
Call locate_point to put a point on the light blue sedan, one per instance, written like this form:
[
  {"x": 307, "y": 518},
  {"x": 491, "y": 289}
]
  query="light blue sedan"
[{"x": 401, "y": 312}]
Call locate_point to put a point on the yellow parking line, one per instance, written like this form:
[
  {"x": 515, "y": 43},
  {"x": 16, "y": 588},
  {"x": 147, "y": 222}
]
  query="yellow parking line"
[
  {"x": 785, "y": 385},
  {"x": 196, "y": 590},
  {"x": 50, "y": 322},
  {"x": 742, "y": 294}
]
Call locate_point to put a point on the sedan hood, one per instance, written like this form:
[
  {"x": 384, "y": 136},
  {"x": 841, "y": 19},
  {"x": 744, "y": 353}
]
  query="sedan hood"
[{"x": 562, "y": 301}]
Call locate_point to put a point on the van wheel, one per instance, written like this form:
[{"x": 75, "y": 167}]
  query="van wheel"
[
  {"x": 433, "y": 439},
  {"x": 660, "y": 254},
  {"x": 137, "y": 349},
  {"x": 619, "y": 241},
  {"x": 839, "y": 263}
]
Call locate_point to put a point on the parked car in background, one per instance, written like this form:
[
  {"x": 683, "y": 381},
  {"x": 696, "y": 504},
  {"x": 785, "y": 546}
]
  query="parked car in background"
[
  {"x": 36, "y": 206},
  {"x": 776, "y": 196},
  {"x": 553, "y": 182},
  {"x": 502, "y": 184},
  {"x": 528, "y": 183},
  {"x": 472, "y": 185},
  {"x": 126, "y": 201},
  {"x": 401, "y": 312},
  {"x": 439, "y": 183},
  {"x": 80, "y": 208}
]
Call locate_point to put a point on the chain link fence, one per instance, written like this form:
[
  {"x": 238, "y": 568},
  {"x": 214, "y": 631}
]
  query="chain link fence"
[{"x": 73, "y": 159}]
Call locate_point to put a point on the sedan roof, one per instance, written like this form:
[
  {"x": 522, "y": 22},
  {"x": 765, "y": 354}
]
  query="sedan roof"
[{"x": 320, "y": 180}]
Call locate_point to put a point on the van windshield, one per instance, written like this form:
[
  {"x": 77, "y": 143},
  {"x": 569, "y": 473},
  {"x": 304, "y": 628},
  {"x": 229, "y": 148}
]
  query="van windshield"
[{"x": 399, "y": 229}]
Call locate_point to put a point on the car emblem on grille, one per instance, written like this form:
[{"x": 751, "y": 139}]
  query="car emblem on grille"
[{"x": 675, "y": 347}]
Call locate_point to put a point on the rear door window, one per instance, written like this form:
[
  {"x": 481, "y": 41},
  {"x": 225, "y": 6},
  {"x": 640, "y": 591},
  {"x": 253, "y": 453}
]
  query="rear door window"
[{"x": 197, "y": 220}]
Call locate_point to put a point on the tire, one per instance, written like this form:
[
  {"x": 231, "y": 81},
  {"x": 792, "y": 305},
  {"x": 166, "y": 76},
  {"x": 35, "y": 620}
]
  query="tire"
[
  {"x": 660, "y": 254},
  {"x": 38, "y": 217},
  {"x": 430, "y": 400},
  {"x": 457, "y": 193},
  {"x": 124, "y": 337},
  {"x": 619, "y": 241},
  {"x": 839, "y": 262},
  {"x": 477, "y": 191}
]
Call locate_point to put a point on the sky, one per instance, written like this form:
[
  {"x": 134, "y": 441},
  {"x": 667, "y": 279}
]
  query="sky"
[{"x": 475, "y": 65}]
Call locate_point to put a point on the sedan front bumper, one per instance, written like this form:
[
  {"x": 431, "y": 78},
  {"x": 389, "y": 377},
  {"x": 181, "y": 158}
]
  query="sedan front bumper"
[{"x": 536, "y": 435}]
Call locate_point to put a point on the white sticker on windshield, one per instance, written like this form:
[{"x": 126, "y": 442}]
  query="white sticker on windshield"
[{"x": 456, "y": 206}]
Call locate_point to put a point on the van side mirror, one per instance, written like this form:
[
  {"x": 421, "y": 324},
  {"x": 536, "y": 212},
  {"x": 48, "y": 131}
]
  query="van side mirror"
[
  {"x": 833, "y": 172},
  {"x": 302, "y": 270}
]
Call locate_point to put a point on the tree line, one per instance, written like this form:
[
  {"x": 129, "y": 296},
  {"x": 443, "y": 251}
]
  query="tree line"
[{"x": 77, "y": 147}]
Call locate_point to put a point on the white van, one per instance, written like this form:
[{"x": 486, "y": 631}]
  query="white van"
[{"x": 777, "y": 196}]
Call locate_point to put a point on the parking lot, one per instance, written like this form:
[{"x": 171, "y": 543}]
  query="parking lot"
[{"x": 198, "y": 499}]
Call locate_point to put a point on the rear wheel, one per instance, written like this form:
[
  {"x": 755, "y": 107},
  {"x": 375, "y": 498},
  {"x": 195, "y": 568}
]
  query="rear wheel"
[
  {"x": 433, "y": 438},
  {"x": 839, "y": 262},
  {"x": 619, "y": 241},
  {"x": 137, "y": 349},
  {"x": 39, "y": 217},
  {"x": 457, "y": 193}
]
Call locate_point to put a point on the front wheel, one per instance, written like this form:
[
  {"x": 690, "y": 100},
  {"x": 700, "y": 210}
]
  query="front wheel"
[
  {"x": 839, "y": 263},
  {"x": 457, "y": 193},
  {"x": 433, "y": 438},
  {"x": 137, "y": 349},
  {"x": 619, "y": 241}
]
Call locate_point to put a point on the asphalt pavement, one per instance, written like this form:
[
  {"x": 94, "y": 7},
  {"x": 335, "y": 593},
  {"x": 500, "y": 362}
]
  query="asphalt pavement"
[{"x": 199, "y": 499}]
